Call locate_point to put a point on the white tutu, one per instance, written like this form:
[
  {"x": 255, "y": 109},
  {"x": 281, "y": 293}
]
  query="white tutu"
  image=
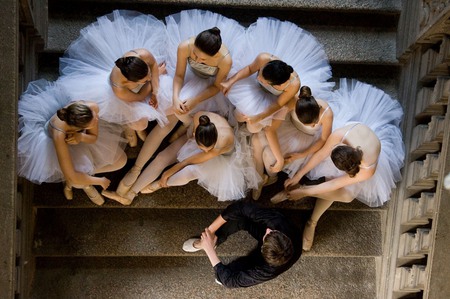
[
  {"x": 360, "y": 102},
  {"x": 227, "y": 176},
  {"x": 189, "y": 23},
  {"x": 291, "y": 44},
  {"x": 87, "y": 64},
  {"x": 37, "y": 159}
]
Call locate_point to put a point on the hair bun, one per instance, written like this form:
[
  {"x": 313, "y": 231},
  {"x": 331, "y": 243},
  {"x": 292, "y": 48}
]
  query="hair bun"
[
  {"x": 204, "y": 120},
  {"x": 305, "y": 92},
  {"x": 214, "y": 30}
]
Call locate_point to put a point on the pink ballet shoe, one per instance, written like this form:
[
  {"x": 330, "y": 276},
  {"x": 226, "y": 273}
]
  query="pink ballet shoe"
[
  {"x": 150, "y": 188},
  {"x": 68, "y": 192},
  {"x": 93, "y": 195},
  {"x": 271, "y": 180},
  {"x": 125, "y": 200},
  {"x": 256, "y": 193},
  {"x": 130, "y": 177},
  {"x": 142, "y": 134},
  {"x": 279, "y": 197},
  {"x": 308, "y": 234},
  {"x": 130, "y": 134}
]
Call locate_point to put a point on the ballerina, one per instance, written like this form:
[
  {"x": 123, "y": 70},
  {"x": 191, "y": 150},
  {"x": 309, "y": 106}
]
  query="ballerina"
[
  {"x": 304, "y": 132},
  {"x": 203, "y": 59},
  {"x": 210, "y": 154},
  {"x": 118, "y": 62},
  {"x": 361, "y": 159},
  {"x": 65, "y": 141}
]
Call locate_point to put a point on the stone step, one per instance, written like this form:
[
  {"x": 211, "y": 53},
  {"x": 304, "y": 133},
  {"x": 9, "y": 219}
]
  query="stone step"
[
  {"x": 361, "y": 45},
  {"x": 367, "y": 6},
  {"x": 161, "y": 232},
  {"x": 190, "y": 196},
  {"x": 192, "y": 277}
]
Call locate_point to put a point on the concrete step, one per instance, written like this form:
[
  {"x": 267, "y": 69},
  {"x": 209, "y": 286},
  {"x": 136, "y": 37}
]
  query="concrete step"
[
  {"x": 192, "y": 277},
  {"x": 190, "y": 196},
  {"x": 342, "y": 44},
  {"x": 161, "y": 232}
]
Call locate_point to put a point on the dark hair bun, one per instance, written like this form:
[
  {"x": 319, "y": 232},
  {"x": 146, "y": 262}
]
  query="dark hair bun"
[
  {"x": 305, "y": 92},
  {"x": 214, "y": 30},
  {"x": 62, "y": 114},
  {"x": 204, "y": 120}
]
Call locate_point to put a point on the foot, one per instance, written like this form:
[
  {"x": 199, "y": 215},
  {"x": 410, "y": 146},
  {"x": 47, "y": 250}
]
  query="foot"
[
  {"x": 68, "y": 193},
  {"x": 128, "y": 180},
  {"x": 131, "y": 137},
  {"x": 256, "y": 193},
  {"x": 93, "y": 195},
  {"x": 142, "y": 134},
  {"x": 192, "y": 245},
  {"x": 150, "y": 188},
  {"x": 126, "y": 201},
  {"x": 271, "y": 180},
  {"x": 279, "y": 197},
  {"x": 308, "y": 234}
]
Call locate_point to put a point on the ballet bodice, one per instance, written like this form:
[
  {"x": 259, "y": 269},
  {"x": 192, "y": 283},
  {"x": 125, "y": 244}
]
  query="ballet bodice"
[{"x": 203, "y": 70}]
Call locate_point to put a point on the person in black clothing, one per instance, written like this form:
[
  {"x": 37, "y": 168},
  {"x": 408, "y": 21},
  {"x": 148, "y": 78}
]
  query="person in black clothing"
[{"x": 278, "y": 244}]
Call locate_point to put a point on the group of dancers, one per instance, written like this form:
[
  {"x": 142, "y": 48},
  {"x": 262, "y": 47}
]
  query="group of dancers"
[{"x": 249, "y": 103}]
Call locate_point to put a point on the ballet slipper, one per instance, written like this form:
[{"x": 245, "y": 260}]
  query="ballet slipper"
[
  {"x": 150, "y": 188},
  {"x": 130, "y": 134},
  {"x": 130, "y": 178},
  {"x": 308, "y": 234},
  {"x": 126, "y": 200},
  {"x": 279, "y": 197},
  {"x": 271, "y": 180},
  {"x": 142, "y": 134},
  {"x": 68, "y": 193},
  {"x": 256, "y": 193},
  {"x": 93, "y": 195}
]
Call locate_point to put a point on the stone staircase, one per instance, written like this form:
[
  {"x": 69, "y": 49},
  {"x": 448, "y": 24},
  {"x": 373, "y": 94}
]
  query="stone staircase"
[{"x": 85, "y": 251}]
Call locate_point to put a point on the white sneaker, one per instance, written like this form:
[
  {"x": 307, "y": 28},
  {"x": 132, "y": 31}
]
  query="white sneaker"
[
  {"x": 188, "y": 246},
  {"x": 218, "y": 282}
]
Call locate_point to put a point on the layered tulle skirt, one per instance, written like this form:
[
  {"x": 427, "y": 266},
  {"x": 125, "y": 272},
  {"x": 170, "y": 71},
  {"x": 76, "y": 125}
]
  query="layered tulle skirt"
[
  {"x": 88, "y": 61},
  {"x": 289, "y": 43},
  {"x": 363, "y": 103},
  {"x": 228, "y": 176},
  {"x": 37, "y": 159}
]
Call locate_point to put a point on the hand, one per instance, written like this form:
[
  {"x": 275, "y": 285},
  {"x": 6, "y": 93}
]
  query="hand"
[
  {"x": 164, "y": 178},
  {"x": 178, "y": 107},
  {"x": 209, "y": 240},
  {"x": 252, "y": 119},
  {"x": 105, "y": 183},
  {"x": 225, "y": 87},
  {"x": 162, "y": 68},
  {"x": 297, "y": 193},
  {"x": 189, "y": 105},
  {"x": 153, "y": 101},
  {"x": 277, "y": 167},
  {"x": 292, "y": 157},
  {"x": 290, "y": 182},
  {"x": 73, "y": 138}
]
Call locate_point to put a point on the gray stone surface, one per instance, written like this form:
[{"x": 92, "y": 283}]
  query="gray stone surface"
[
  {"x": 9, "y": 68},
  {"x": 357, "y": 5},
  {"x": 193, "y": 277},
  {"x": 346, "y": 44},
  {"x": 161, "y": 232}
]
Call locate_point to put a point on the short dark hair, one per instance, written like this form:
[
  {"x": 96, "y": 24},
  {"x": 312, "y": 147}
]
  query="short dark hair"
[
  {"x": 277, "y": 248},
  {"x": 206, "y": 132},
  {"x": 347, "y": 158},
  {"x": 277, "y": 72},
  {"x": 132, "y": 67},
  {"x": 209, "y": 41},
  {"x": 306, "y": 108}
]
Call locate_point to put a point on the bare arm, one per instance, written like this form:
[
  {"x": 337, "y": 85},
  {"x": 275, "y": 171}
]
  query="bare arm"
[
  {"x": 180, "y": 72},
  {"x": 245, "y": 72},
  {"x": 67, "y": 168},
  {"x": 318, "y": 157}
]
